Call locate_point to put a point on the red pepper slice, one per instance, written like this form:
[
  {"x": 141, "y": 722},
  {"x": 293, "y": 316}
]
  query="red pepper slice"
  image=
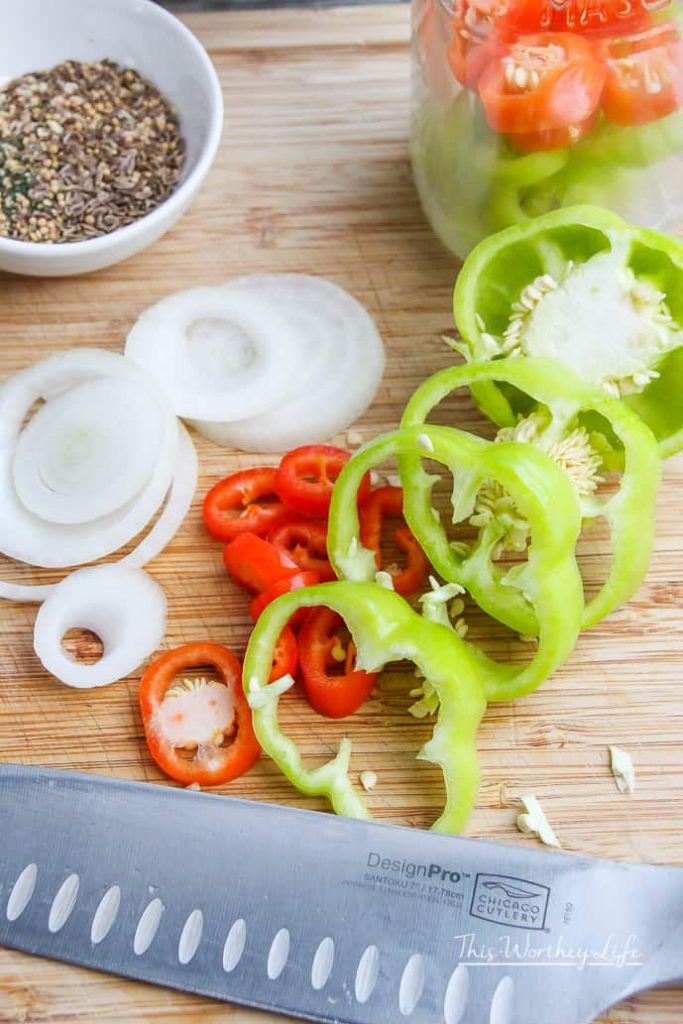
[
  {"x": 286, "y": 655},
  {"x": 302, "y": 579},
  {"x": 244, "y": 502},
  {"x": 542, "y": 82},
  {"x": 211, "y": 764},
  {"x": 468, "y": 57},
  {"x": 320, "y": 648},
  {"x": 257, "y": 564},
  {"x": 306, "y": 476},
  {"x": 305, "y": 542},
  {"x": 644, "y": 85},
  {"x": 384, "y": 503}
]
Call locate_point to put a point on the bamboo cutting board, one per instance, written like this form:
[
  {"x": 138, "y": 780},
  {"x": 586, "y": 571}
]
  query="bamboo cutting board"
[{"x": 313, "y": 176}]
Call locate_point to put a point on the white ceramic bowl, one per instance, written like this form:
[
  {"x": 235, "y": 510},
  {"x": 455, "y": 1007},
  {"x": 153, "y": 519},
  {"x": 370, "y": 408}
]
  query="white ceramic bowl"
[{"x": 139, "y": 34}]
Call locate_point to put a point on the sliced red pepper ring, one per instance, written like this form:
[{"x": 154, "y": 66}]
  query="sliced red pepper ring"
[
  {"x": 322, "y": 647},
  {"x": 244, "y": 502},
  {"x": 384, "y": 503},
  {"x": 542, "y": 82},
  {"x": 257, "y": 564},
  {"x": 297, "y": 582},
  {"x": 645, "y": 85},
  {"x": 304, "y": 541},
  {"x": 306, "y": 476},
  {"x": 285, "y": 655},
  {"x": 468, "y": 56},
  {"x": 198, "y": 730},
  {"x": 637, "y": 42}
]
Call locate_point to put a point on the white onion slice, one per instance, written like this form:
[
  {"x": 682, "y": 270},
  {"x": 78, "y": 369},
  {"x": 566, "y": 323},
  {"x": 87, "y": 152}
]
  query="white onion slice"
[
  {"x": 28, "y": 538},
  {"x": 336, "y": 386},
  {"x": 32, "y": 593},
  {"x": 124, "y": 607},
  {"x": 177, "y": 505},
  {"x": 217, "y": 353},
  {"x": 89, "y": 451},
  {"x": 176, "y": 508}
]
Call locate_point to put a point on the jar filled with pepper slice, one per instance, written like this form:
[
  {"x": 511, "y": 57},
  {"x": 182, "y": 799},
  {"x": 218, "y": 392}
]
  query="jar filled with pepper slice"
[{"x": 525, "y": 106}]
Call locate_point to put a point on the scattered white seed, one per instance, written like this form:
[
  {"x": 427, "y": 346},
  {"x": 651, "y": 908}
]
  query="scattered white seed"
[
  {"x": 521, "y": 78},
  {"x": 384, "y": 579},
  {"x": 194, "y": 785},
  {"x": 622, "y": 769},
  {"x": 425, "y": 442},
  {"x": 354, "y": 438},
  {"x": 534, "y": 822},
  {"x": 368, "y": 779},
  {"x": 461, "y": 628}
]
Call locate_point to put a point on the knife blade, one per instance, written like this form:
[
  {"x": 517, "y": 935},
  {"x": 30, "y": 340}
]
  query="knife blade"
[{"x": 321, "y": 917}]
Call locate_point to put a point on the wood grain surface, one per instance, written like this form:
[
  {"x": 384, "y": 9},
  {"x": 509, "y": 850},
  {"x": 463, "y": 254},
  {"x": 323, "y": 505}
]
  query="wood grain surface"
[{"x": 313, "y": 176}]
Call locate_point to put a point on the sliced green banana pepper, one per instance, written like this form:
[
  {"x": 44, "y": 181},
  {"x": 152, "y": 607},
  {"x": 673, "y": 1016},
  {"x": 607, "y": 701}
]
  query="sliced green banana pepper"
[
  {"x": 545, "y": 592},
  {"x": 584, "y": 288},
  {"x": 384, "y": 628},
  {"x": 573, "y": 424}
]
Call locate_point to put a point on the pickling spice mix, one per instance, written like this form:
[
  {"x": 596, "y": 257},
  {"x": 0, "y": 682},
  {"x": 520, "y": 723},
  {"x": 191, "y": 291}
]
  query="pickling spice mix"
[{"x": 85, "y": 148}]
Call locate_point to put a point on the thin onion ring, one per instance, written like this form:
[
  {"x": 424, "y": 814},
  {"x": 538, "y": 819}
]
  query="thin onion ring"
[
  {"x": 198, "y": 373},
  {"x": 28, "y": 538},
  {"x": 339, "y": 380},
  {"x": 124, "y": 607},
  {"x": 178, "y": 502}
]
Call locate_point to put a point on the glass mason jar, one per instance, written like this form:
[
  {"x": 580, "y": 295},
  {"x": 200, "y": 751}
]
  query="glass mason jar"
[{"x": 523, "y": 106}]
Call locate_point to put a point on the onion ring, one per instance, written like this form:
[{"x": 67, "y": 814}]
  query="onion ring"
[
  {"x": 176, "y": 508},
  {"x": 178, "y": 502},
  {"x": 124, "y": 607},
  {"x": 218, "y": 353},
  {"x": 89, "y": 451},
  {"x": 27, "y": 537},
  {"x": 337, "y": 383}
]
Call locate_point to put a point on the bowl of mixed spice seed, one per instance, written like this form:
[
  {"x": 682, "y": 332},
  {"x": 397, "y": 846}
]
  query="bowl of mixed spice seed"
[{"x": 111, "y": 114}]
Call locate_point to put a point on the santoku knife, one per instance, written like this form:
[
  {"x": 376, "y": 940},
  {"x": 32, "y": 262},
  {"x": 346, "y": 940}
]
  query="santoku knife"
[{"x": 321, "y": 917}]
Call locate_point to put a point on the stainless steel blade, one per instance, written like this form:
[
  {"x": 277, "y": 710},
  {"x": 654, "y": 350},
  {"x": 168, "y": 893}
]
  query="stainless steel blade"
[{"x": 321, "y": 917}]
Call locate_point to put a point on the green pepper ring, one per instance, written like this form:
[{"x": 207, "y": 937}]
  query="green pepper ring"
[
  {"x": 543, "y": 494},
  {"x": 550, "y": 240},
  {"x": 384, "y": 628},
  {"x": 630, "y": 512}
]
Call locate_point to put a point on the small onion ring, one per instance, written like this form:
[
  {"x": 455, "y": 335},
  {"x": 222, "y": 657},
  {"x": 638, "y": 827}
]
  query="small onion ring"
[
  {"x": 181, "y": 341},
  {"x": 339, "y": 380},
  {"x": 25, "y": 536},
  {"x": 124, "y": 607}
]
